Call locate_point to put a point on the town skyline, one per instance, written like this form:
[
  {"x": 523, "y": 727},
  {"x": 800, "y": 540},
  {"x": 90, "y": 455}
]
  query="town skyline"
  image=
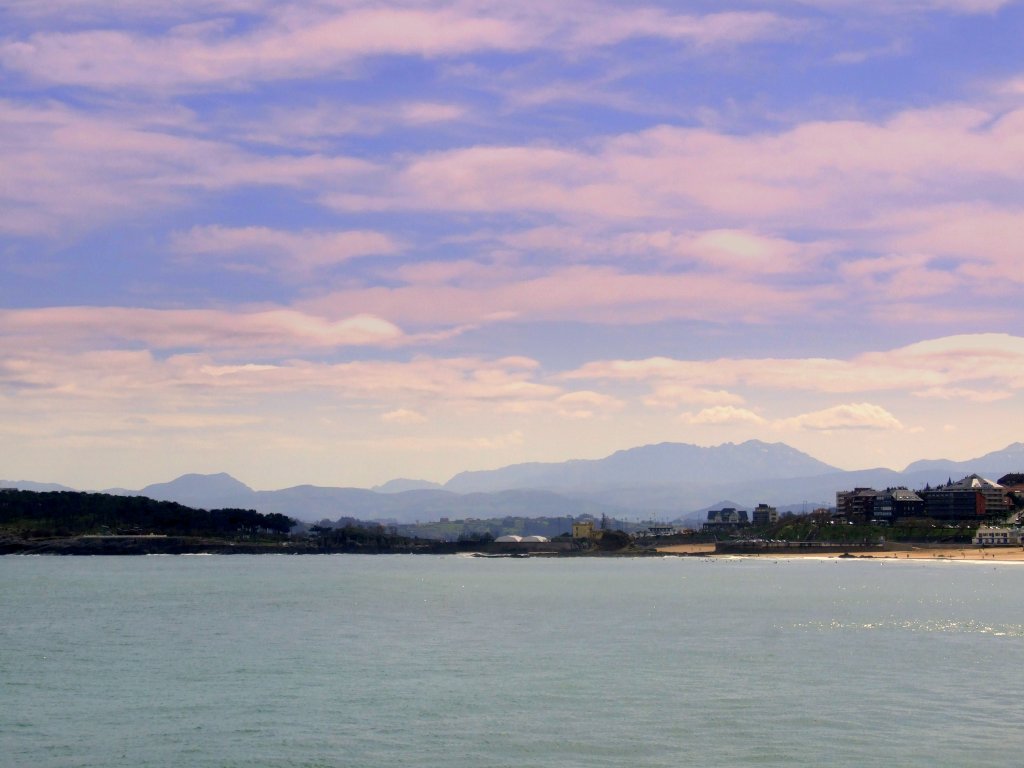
[{"x": 343, "y": 242}]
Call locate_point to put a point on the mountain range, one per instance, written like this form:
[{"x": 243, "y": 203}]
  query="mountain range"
[{"x": 674, "y": 481}]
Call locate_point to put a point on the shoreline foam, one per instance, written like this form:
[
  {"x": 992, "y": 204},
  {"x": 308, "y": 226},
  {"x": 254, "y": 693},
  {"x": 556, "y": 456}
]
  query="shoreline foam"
[{"x": 911, "y": 552}]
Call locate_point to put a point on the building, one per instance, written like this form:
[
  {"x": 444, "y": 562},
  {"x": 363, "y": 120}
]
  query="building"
[
  {"x": 860, "y": 502},
  {"x": 970, "y": 498},
  {"x": 895, "y": 503},
  {"x": 988, "y": 536},
  {"x": 661, "y": 530},
  {"x": 583, "y": 529},
  {"x": 726, "y": 519},
  {"x": 728, "y": 516},
  {"x": 765, "y": 515}
]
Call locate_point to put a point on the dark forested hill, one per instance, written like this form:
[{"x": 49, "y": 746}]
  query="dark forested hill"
[{"x": 70, "y": 513}]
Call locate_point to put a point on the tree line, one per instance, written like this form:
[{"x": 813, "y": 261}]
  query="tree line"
[{"x": 73, "y": 513}]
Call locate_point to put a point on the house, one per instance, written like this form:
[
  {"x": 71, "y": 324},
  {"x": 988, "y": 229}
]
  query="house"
[
  {"x": 728, "y": 516},
  {"x": 726, "y": 519},
  {"x": 989, "y": 536}
]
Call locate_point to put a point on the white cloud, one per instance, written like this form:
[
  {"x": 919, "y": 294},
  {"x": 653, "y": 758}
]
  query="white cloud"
[
  {"x": 403, "y": 416},
  {"x": 668, "y": 395},
  {"x": 963, "y": 394},
  {"x": 513, "y": 438},
  {"x": 990, "y": 363},
  {"x": 721, "y": 415},
  {"x": 586, "y": 404},
  {"x": 842, "y": 417},
  {"x": 258, "y": 332}
]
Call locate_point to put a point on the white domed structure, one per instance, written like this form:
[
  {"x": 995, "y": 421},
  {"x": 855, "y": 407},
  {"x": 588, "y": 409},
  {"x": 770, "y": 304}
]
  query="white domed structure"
[
  {"x": 508, "y": 539},
  {"x": 535, "y": 539}
]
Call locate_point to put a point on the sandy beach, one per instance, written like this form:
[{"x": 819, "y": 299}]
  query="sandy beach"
[{"x": 911, "y": 552}]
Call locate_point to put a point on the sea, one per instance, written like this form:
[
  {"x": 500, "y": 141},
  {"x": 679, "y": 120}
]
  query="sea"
[{"x": 462, "y": 662}]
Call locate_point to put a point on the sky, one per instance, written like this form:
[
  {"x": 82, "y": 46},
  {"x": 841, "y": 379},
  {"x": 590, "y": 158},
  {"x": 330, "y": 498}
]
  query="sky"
[{"x": 338, "y": 242}]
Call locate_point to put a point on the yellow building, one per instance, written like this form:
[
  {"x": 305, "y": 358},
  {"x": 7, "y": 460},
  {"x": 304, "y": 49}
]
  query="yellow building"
[{"x": 584, "y": 530}]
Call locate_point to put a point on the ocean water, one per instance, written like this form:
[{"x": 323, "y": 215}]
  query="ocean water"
[{"x": 460, "y": 662}]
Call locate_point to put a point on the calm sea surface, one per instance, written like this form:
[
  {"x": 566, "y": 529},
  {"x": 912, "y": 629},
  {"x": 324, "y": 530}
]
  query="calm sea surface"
[{"x": 459, "y": 662}]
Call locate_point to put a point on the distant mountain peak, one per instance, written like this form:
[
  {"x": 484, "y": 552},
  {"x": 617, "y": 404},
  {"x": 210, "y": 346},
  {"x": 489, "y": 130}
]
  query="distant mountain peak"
[
  {"x": 664, "y": 464},
  {"x": 665, "y": 479},
  {"x": 221, "y": 480},
  {"x": 403, "y": 484},
  {"x": 1008, "y": 459},
  {"x": 202, "y": 490}
]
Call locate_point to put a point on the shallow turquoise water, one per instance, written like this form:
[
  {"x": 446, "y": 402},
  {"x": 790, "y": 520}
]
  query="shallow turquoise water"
[{"x": 454, "y": 661}]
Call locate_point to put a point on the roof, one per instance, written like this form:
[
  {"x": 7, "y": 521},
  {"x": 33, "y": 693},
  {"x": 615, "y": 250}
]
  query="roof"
[
  {"x": 902, "y": 494},
  {"x": 975, "y": 482}
]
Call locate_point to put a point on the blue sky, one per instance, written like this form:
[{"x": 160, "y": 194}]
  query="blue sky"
[{"x": 338, "y": 242}]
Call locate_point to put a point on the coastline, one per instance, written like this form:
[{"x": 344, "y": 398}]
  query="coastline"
[
  {"x": 892, "y": 552},
  {"x": 178, "y": 545}
]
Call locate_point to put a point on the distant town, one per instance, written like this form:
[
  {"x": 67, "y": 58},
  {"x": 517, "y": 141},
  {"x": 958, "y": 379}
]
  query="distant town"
[{"x": 973, "y": 510}]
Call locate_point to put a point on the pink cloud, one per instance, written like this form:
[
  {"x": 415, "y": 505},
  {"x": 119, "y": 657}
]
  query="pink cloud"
[
  {"x": 752, "y": 253},
  {"x": 586, "y": 404},
  {"x": 593, "y": 294},
  {"x": 991, "y": 363},
  {"x": 93, "y": 12},
  {"x": 66, "y": 169},
  {"x": 293, "y": 44},
  {"x": 985, "y": 238},
  {"x": 887, "y": 7},
  {"x": 258, "y": 332},
  {"x": 897, "y": 277},
  {"x": 404, "y": 392},
  {"x": 678, "y": 189},
  {"x": 739, "y": 251},
  {"x": 963, "y": 394},
  {"x": 306, "y": 250},
  {"x": 421, "y": 382},
  {"x": 606, "y": 26},
  {"x": 790, "y": 178},
  {"x": 311, "y": 127},
  {"x": 293, "y": 40}
]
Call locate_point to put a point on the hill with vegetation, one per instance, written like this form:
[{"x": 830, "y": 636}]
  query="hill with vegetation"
[
  {"x": 77, "y": 523},
  {"x": 73, "y": 513}
]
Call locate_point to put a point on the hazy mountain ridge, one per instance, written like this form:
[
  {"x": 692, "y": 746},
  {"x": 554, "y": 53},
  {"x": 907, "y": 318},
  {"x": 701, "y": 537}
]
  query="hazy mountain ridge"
[
  {"x": 670, "y": 481},
  {"x": 402, "y": 484},
  {"x": 663, "y": 464},
  {"x": 205, "y": 491},
  {"x": 996, "y": 463},
  {"x": 29, "y": 485}
]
